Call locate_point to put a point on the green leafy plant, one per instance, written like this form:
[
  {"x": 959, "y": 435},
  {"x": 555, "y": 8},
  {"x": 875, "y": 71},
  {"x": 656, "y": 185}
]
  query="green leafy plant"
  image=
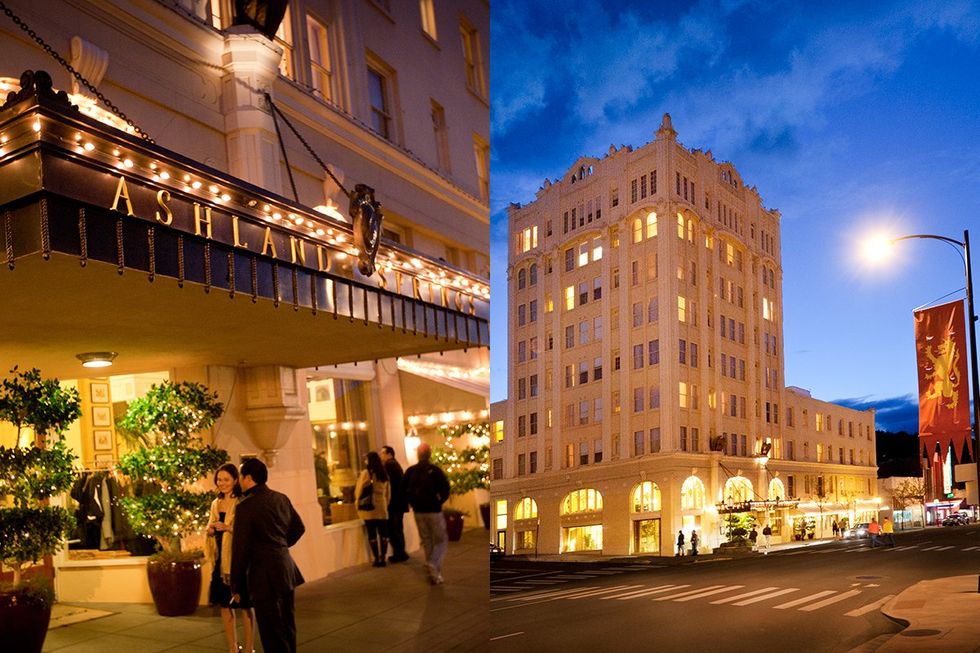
[
  {"x": 30, "y": 529},
  {"x": 467, "y": 468},
  {"x": 167, "y": 506}
]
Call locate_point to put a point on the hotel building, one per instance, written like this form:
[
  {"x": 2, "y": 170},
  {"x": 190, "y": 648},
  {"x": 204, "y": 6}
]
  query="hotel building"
[
  {"x": 224, "y": 254},
  {"x": 646, "y": 392}
]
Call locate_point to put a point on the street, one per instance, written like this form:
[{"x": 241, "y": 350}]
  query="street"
[{"x": 825, "y": 597}]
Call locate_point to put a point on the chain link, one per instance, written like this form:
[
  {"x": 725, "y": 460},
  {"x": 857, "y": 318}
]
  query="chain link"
[{"x": 67, "y": 66}]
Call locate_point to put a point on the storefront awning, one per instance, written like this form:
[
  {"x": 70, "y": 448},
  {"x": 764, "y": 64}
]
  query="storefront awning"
[{"x": 112, "y": 243}]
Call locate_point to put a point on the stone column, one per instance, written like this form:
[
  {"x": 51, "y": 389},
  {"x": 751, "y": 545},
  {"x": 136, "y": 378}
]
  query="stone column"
[
  {"x": 273, "y": 408},
  {"x": 251, "y": 62}
]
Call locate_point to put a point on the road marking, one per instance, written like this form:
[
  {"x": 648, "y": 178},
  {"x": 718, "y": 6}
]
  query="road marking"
[
  {"x": 569, "y": 577},
  {"x": 539, "y": 598},
  {"x": 701, "y": 595},
  {"x": 869, "y": 607},
  {"x": 494, "y": 639},
  {"x": 767, "y": 596},
  {"x": 677, "y": 596},
  {"x": 639, "y": 594},
  {"x": 508, "y": 589},
  {"x": 971, "y": 548},
  {"x": 826, "y": 602},
  {"x": 906, "y": 547},
  {"x": 805, "y": 599},
  {"x": 606, "y": 572},
  {"x": 602, "y": 591},
  {"x": 796, "y": 553},
  {"x": 872, "y": 585},
  {"x": 542, "y": 595},
  {"x": 932, "y": 548},
  {"x": 945, "y": 548},
  {"x": 729, "y": 599}
]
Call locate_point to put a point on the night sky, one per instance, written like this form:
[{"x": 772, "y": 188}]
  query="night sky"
[{"x": 849, "y": 119}]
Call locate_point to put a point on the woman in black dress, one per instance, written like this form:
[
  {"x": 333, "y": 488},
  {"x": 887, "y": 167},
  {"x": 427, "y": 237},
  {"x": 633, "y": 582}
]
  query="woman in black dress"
[{"x": 218, "y": 551}]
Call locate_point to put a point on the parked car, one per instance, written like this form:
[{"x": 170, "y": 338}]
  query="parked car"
[
  {"x": 496, "y": 551},
  {"x": 857, "y": 531},
  {"x": 955, "y": 520}
]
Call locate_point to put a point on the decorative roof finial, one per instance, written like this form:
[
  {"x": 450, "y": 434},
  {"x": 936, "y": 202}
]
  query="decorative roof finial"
[{"x": 666, "y": 131}]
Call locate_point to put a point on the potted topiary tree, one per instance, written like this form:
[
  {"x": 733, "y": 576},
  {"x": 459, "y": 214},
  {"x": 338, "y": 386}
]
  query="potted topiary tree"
[
  {"x": 29, "y": 528},
  {"x": 166, "y": 505},
  {"x": 467, "y": 469}
]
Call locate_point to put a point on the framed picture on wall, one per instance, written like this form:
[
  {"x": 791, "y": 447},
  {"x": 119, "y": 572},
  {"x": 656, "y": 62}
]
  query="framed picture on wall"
[
  {"x": 101, "y": 416},
  {"x": 103, "y": 460},
  {"x": 100, "y": 393},
  {"x": 103, "y": 440}
]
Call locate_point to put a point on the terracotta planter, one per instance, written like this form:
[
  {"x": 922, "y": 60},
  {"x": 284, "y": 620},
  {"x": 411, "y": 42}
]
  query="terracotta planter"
[
  {"x": 175, "y": 586},
  {"x": 454, "y": 526},
  {"x": 23, "y": 622}
]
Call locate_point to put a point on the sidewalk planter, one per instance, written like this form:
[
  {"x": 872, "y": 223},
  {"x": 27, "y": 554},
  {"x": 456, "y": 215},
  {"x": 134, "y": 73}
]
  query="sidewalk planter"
[
  {"x": 174, "y": 584},
  {"x": 454, "y": 524},
  {"x": 24, "y": 618}
]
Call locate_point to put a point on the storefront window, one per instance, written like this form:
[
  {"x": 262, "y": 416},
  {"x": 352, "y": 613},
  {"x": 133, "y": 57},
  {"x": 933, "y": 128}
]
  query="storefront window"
[
  {"x": 692, "y": 494},
  {"x": 582, "y": 538},
  {"x": 646, "y": 497},
  {"x": 776, "y": 490},
  {"x": 527, "y": 508},
  {"x": 339, "y": 413},
  {"x": 585, "y": 500},
  {"x": 646, "y": 536}
]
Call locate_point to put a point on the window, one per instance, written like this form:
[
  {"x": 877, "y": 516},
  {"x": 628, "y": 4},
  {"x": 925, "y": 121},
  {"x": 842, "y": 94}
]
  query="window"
[
  {"x": 427, "y": 14},
  {"x": 321, "y": 67},
  {"x": 651, "y": 225},
  {"x": 498, "y": 471},
  {"x": 521, "y": 464},
  {"x": 284, "y": 37},
  {"x": 533, "y": 463},
  {"x": 638, "y": 356},
  {"x": 646, "y": 498},
  {"x": 655, "y": 440},
  {"x": 597, "y": 451},
  {"x": 379, "y": 91},
  {"x": 682, "y": 309},
  {"x": 638, "y": 443},
  {"x": 653, "y": 351},
  {"x": 692, "y": 494},
  {"x": 441, "y": 135},
  {"x": 481, "y": 153},
  {"x": 473, "y": 58}
]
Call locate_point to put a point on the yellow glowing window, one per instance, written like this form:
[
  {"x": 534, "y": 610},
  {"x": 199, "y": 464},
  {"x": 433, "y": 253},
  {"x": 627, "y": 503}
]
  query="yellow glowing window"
[
  {"x": 527, "y": 508},
  {"x": 500, "y": 517},
  {"x": 738, "y": 489},
  {"x": 284, "y": 37},
  {"x": 729, "y": 254},
  {"x": 637, "y": 230},
  {"x": 547, "y": 418},
  {"x": 680, "y": 226},
  {"x": 596, "y": 249},
  {"x": 584, "y": 500},
  {"x": 709, "y": 241},
  {"x": 776, "y": 490},
  {"x": 549, "y": 305},
  {"x": 525, "y": 539},
  {"x": 646, "y": 497},
  {"x": 498, "y": 431},
  {"x": 692, "y": 494},
  {"x": 684, "y": 399},
  {"x": 712, "y": 399},
  {"x": 582, "y": 538},
  {"x": 583, "y": 254},
  {"x": 569, "y": 298},
  {"x": 682, "y": 309},
  {"x": 651, "y": 225}
]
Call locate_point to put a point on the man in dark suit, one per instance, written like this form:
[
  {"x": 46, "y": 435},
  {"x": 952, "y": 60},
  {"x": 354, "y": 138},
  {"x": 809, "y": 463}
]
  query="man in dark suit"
[
  {"x": 397, "y": 505},
  {"x": 266, "y": 525}
]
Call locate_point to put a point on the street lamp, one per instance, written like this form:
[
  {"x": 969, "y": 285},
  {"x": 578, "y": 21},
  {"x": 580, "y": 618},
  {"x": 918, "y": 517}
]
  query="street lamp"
[{"x": 876, "y": 249}]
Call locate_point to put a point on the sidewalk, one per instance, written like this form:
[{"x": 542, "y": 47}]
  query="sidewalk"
[
  {"x": 362, "y": 609},
  {"x": 941, "y": 617}
]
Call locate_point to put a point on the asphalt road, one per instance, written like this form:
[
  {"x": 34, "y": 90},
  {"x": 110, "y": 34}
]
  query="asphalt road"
[{"x": 823, "y": 598}]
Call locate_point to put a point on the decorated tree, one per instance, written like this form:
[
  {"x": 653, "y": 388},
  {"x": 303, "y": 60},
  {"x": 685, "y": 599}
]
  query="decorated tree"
[
  {"x": 167, "y": 505},
  {"x": 29, "y": 528},
  {"x": 467, "y": 468}
]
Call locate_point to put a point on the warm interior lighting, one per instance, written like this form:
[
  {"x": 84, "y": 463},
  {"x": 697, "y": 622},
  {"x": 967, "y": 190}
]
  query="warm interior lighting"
[{"x": 97, "y": 358}]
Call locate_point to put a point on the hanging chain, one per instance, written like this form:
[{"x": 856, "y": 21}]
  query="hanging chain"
[{"x": 67, "y": 66}]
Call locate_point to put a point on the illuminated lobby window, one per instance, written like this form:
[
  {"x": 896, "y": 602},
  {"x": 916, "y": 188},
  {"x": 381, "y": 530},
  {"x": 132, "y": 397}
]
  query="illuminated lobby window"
[
  {"x": 738, "y": 489},
  {"x": 646, "y": 497},
  {"x": 692, "y": 494},
  {"x": 527, "y": 508},
  {"x": 584, "y": 500},
  {"x": 582, "y": 538}
]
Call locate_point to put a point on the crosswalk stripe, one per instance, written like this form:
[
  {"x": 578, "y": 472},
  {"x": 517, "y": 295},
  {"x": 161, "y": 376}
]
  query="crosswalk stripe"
[
  {"x": 605, "y": 572},
  {"x": 729, "y": 599},
  {"x": 708, "y": 593},
  {"x": 602, "y": 591},
  {"x": 796, "y": 553},
  {"x": 540, "y": 582},
  {"x": 569, "y": 594},
  {"x": 695, "y": 591},
  {"x": 931, "y": 548},
  {"x": 869, "y": 607},
  {"x": 544, "y": 595},
  {"x": 568, "y": 576},
  {"x": 767, "y": 596},
  {"x": 971, "y": 548},
  {"x": 641, "y": 593},
  {"x": 508, "y": 589},
  {"x": 805, "y": 599},
  {"x": 832, "y": 599},
  {"x": 944, "y": 548}
]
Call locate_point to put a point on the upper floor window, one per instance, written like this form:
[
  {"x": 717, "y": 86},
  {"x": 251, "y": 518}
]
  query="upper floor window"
[
  {"x": 379, "y": 91},
  {"x": 427, "y": 14},
  {"x": 473, "y": 58},
  {"x": 321, "y": 66},
  {"x": 284, "y": 37},
  {"x": 441, "y": 134},
  {"x": 481, "y": 152}
]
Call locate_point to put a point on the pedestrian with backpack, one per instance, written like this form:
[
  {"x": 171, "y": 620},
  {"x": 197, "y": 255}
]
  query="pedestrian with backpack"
[{"x": 427, "y": 488}]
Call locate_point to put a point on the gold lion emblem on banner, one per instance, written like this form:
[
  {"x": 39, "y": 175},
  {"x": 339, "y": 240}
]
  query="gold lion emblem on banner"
[{"x": 943, "y": 383}]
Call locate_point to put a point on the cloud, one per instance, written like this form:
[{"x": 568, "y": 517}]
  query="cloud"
[{"x": 891, "y": 413}]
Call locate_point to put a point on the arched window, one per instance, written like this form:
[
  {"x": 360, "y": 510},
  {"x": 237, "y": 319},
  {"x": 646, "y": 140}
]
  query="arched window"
[
  {"x": 584, "y": 500},
  {"x": 637, "y": 230},
  {"x": 680, "y": 226},
  {"x": 532, "y": 274},
  {"x": 521, "y": 279},
  {"x": 776, "y": 490},
  {"x": 646, "y": 497},
  {"x": 692, "y": 494},
  {"x": 527, "y": 508},
  {"x": 738, "y": 489},
  {"x": 651, "y": 224}
]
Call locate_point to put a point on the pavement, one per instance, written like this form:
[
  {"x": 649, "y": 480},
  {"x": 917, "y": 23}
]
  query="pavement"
[
  {"x": 938, "y": 615},
  {"x": 365, "y": 609}
]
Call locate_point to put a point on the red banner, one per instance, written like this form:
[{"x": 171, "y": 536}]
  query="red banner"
[{"x": 944, "y": 401}]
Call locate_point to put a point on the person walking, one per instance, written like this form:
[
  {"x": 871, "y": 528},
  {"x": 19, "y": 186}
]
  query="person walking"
[
  {"x": 767, "y": 533},
  {"x": 888, "y": 532},
  {"x": 397, "y": 506},
  {"x": 372, "y": 492},
  {"x": 694, "y": 543},
  {"x": 874, "y": 529},
  {"x": 680, "y": 543},
  {"x": 753, "y": 537},
  {"x": 836, "y": 529},
  {"x": 217, "y": 551},
  {"x": 426, "y": 489},
  {"x": 266, "y": 525}
]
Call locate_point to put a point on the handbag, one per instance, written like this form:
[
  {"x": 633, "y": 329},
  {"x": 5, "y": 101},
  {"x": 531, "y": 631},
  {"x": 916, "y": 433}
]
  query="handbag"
[{"x": 365, "y": 502}]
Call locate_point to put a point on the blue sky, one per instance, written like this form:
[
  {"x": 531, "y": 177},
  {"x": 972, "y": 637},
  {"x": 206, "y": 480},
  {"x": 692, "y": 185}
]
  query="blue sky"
[{"x": 851, "y": 118}]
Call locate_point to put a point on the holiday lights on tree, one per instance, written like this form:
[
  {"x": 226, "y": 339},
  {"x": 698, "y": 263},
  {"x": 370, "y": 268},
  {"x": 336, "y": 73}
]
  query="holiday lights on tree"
[
  {"x": 467, "y": 468},
  {"x": 171, "y": 460}
]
